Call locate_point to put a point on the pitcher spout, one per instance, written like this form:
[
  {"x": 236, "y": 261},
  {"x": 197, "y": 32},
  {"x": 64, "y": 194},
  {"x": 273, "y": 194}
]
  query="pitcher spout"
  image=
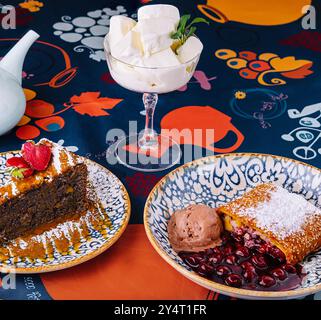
[{"x": 12, "y": 62}]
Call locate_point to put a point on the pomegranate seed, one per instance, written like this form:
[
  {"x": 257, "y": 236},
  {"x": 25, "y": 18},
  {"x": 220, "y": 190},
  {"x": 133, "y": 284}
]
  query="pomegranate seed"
[
  {"x": 242, "y": 251},
  {"x": 223, "y": 270},
  {"x": 267, "y": 281},
  {"x": 215, "y": 258},
  {"x": 231, "y": 259},
  {"x": 279, "y": 273},
  {"x": 234, "y": 280},
  {"x": 290, "y": 268},
  {"x": 259, "y": 261}
]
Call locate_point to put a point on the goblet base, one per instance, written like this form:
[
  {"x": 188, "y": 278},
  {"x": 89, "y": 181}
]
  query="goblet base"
[{"x": 158, "y": 156}]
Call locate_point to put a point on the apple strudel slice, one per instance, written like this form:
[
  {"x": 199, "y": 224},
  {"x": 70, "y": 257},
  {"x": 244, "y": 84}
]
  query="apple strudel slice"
[{"x": 285, "y": 220}]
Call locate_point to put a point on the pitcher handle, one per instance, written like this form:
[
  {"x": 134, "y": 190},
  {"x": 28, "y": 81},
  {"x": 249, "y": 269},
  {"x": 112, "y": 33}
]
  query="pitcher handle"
[
  {"x": 236, "y": 145},
  {"x": 219, "y": 16}
]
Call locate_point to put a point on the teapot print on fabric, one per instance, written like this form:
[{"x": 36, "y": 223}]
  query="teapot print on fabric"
[{"x": 256, "y": 12}]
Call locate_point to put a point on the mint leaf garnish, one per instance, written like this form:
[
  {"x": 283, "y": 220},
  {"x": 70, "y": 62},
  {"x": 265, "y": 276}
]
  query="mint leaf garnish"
[{"x": 184, "y": 30}]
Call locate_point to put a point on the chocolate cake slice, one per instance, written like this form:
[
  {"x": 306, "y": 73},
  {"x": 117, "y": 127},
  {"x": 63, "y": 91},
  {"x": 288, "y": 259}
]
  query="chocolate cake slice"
[{"x": 43, "y": 196}]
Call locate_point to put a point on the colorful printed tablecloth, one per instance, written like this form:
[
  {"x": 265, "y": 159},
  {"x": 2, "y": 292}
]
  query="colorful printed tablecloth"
[{"x": 259, "y": 77}]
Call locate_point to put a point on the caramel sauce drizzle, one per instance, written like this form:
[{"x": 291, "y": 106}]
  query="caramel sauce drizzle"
[{"x": 63, "y": 237}]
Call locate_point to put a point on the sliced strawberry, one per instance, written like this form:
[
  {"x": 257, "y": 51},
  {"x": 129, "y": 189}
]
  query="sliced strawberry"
[
  {"x": 19, "y": 168},
  {"x": 17, "y": 162},
  {"x": 36, "y": 155}
]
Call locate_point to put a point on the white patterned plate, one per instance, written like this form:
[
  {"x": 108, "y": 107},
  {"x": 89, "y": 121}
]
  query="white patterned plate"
[
  {"x": 115, "y": 212},
  {"x": 217, "y": 180}
]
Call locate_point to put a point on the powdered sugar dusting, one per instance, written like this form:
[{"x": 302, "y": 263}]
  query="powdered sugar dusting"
[
  {"x": 56, "y": 158},
  {"x": 283, "y": 214}
]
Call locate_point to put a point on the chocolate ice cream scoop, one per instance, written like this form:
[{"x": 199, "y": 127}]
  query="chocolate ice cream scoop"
[{"x": 195, "y": 228}]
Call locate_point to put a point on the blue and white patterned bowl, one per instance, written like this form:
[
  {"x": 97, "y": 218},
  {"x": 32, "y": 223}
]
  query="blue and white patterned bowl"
[
  {"x": 217, "y": 180},
  {"x": 114, "y": 202}
]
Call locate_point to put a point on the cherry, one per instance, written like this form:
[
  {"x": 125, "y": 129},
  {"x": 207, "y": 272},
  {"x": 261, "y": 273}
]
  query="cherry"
[
  {"x": 198, "y": 257},
  {"x": 216, "y": 250},
  {"x": 223, "y": 270},
  {"x": 247, "y": 236},
  {"x": 231, "y": 259},
  {"x": 242, "y": 251},
  {"x": 247, "y": 265},
  {"x": 205, "y": 269},
  {"x": 259, "y": 261},
  {"x": 290, "y": 268},
  {"x": 239, "y": 231},
  {"x": 215, "y": 258},
  {"x": 279, "y": 273},
  {"x": 209, "y": 252},
  {"x": 277, "y": 254},
  {"x": 234, "y": 280},
  {"x": 266, "y": 281},
  {"x": 249, "y": 244},
  {"x": 237, "y": 237},
  {"x": 192, "y": 262},
  {"x": 263, "y": 248},
  {"x": 228, "y": 250},
  {"x": 249, "y": 275}
]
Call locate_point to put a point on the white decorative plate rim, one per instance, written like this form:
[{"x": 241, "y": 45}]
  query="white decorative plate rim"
[
  {"x": 90, "y": 255},
  {"x": 193, "y": 276}
]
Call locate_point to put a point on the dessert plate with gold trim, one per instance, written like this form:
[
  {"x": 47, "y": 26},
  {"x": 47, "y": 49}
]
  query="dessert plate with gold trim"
[
  {"x": 71, "y": 241},
  {"x": 217, "y": 180}
]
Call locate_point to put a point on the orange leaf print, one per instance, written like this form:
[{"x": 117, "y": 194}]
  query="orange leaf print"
[
  {"x": 299, "y": 73},
  {"x": 92, "y": 104}
]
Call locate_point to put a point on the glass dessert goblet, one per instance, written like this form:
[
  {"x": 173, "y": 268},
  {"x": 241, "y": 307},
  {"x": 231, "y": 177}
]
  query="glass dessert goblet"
[{"x": 147, "y": 150}]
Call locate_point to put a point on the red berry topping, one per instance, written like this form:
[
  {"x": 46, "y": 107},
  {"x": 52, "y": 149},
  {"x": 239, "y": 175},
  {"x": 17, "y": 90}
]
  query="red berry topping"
[
  {"x": 289, "y": 268},
  {"x": 205, "y": 268},
  {"x": 259, "y": 261},
  {"x": 223, "y": 270},
  {"x": 192, "y": 262},
  {"x": 215, "y": 258},
  {"x": 267, "y": 281},
  {"x": 17, "y": 162},
  {"x": 233, "y": 280},
  {"x": 279, "y": 273},
  {"x": 242, "y": 251},
  {"x": 37, "y": 155},
  {"x": 277, "y": 254},
  {"x": 249, "y": 275},
  {"x": 19, "y": 168},
  {"x": 247, "y": 265},
  {"x": 231, "y": 259}
]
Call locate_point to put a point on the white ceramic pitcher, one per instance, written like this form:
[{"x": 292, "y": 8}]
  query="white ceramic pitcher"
[{"x": 12, "y": 98}]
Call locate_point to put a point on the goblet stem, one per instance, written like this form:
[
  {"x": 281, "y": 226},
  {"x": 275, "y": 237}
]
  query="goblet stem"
[{"x": 149, "y": 138}]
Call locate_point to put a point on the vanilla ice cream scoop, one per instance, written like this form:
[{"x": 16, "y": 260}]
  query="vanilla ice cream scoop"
[
  {"x": 158, "y": 11},
  {"x": 119, "y": 26},
  {"x": 195, "y": 228}
]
